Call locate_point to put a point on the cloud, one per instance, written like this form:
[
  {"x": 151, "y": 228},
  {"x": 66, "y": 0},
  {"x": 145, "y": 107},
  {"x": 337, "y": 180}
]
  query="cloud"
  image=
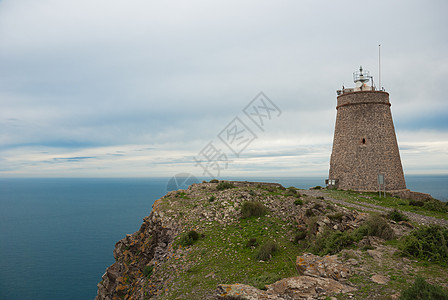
[
  {"x": 84, "y": 79},
  {"x": 71, "y": 159}
]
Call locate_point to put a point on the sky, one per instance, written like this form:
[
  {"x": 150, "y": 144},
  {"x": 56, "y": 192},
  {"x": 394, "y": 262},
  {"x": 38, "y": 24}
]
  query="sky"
[{"x": 143, "y": 88}]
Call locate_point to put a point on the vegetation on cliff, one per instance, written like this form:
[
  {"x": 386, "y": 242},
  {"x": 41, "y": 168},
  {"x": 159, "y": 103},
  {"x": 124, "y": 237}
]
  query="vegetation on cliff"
[{"x": 250, "y": 236}]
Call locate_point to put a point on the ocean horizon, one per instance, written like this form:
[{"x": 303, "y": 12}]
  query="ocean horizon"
[{"x": 58, "y": 234}]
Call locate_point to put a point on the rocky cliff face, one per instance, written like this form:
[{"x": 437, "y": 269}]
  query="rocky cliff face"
[
  {"x": 158, "y": 262},
  {"x": 144, "y": 249}
]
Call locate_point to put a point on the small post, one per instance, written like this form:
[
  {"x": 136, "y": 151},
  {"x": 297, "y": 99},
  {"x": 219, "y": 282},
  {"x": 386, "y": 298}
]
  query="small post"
[{"x": 381, "y": 183}]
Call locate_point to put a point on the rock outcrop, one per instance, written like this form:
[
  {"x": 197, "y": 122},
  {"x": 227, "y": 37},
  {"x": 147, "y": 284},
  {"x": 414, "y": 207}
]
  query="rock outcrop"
[
  {"x": 133, "y": 254},
  {"x": 320, "y": 278}
]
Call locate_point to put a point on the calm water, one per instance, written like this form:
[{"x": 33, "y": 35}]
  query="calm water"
[{"x": 57, "y": 235}]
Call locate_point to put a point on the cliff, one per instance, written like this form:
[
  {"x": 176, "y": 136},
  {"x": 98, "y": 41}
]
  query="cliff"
[{"x": 241, "y": 240}]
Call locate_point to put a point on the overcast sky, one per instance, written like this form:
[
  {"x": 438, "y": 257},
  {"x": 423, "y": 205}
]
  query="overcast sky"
[{"x": 112, "y": 88}]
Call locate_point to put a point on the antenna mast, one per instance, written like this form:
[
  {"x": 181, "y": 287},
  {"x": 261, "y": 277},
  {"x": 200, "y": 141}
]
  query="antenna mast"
[{"x": 379, "y": 67}]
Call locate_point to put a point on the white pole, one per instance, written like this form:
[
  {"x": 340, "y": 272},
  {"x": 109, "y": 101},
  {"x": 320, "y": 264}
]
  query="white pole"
[{"x": 379, "y": 67}]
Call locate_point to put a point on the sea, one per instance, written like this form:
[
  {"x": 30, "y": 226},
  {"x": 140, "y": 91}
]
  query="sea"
[{"x": 57, "y": 235}]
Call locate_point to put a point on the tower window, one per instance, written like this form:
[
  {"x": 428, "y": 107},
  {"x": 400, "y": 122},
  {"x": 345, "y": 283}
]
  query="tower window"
[{"x": 363, "y": 141}]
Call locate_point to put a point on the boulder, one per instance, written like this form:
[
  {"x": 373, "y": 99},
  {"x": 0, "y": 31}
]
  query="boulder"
[
  {"x": 317, "y": 266},
  {"x": 243, "y": 292},
  {"x": 307, "y": 287},
  {"x": 380, "y": 279}
]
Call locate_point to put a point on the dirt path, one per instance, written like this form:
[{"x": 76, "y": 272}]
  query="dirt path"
[{"x": 420, "y": 219}]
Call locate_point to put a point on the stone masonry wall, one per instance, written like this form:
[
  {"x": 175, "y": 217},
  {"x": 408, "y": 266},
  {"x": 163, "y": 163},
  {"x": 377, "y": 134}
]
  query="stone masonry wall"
[{"x": 365, "y": 144}]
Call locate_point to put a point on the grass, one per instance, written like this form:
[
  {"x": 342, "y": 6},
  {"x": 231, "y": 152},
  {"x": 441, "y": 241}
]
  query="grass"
[
  {"x": 264, "y": 279},
  {"x": 429, "y": 209},
  {"x": 224, "y": 251},
  {"x": 182, "y": 195},
  {"x": 421, "y": 290}
]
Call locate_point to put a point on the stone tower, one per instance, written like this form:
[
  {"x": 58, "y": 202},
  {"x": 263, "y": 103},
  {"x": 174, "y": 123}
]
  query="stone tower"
[{"x": 364, "y": 144}]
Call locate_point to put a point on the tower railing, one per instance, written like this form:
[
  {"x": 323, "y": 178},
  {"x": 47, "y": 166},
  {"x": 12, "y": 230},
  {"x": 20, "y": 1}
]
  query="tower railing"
[{"x": 361, "y": 75}]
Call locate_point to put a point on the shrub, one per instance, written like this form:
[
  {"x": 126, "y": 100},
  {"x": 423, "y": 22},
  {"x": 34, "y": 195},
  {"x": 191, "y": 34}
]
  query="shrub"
[
  {"x": 223, "y": 185},
  {"x": 318, "y": 206},
  {"x": 182, "y": 195},
  {"x": 214, "y": 181},
  {"x": 432, "y": 205},
  {"x": 147, "y": 271},
  {"x": 360, "y": 232},
  {"x": 367, "y": 247},
  {"x": 317, "y": 187},
  {"x": 298, "y": 202},
  {"x": 332, "y": 242},
  {"x": 194, "y": 235},
  {"x": 252, "y": 193},
  {"x": 336, "y": 216},
  {"x": 416, "y": 203},
  {"x": 211, "y": 199},
  {"x": 421, "y": 290},
  {"x": 338, "y": 241},
  {"x": 266, "y": 251},
  {"x": 435, "y": 205},
  {"x": 261, "y": 281},
  {"x": 292, "y": 191},
  {"x": 270, "y": 188},
  {"x": 312, "y": 226},
  {"x": 300, "y": 235},
  {"x": 189, "y": 238},
  {"x": 252, "y": 243},
  {"x": 378, "y": 226},
  {"x": 427, "y": 243},
  {"x": 252, "y": 209},
  {"x": 309, "y": 212},
  {"x": 397, "y": 216}
]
